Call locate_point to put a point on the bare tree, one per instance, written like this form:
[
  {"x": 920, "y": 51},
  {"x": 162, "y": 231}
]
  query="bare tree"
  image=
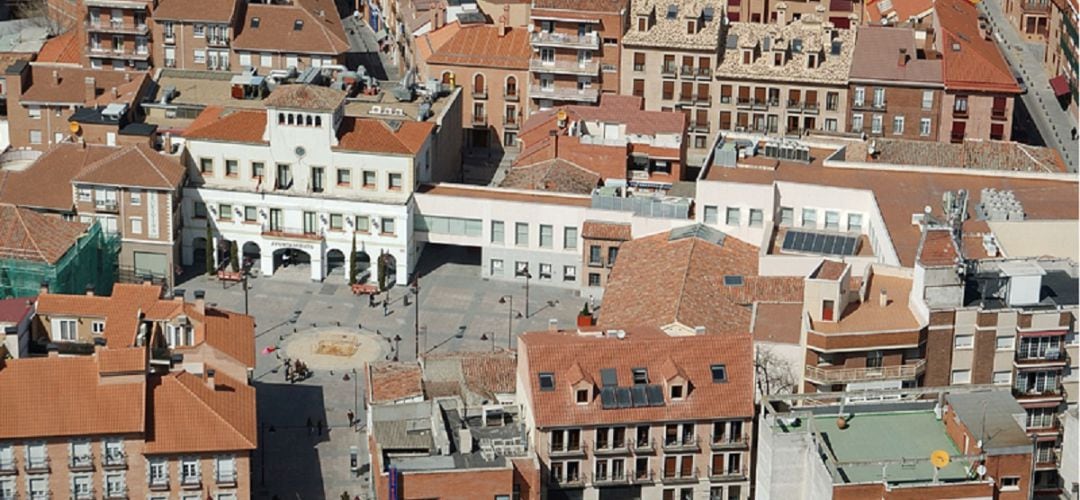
[
  {"x": 773, "y": 373},
  {"x": 43, "y": 15}
]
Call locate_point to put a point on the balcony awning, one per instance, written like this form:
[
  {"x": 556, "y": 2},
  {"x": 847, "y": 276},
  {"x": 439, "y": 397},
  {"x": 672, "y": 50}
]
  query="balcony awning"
[
  {"x": 1044, "y": 333},
  {"x": 1060, "y": 85},
  {"x": 1043, "y": 404}
]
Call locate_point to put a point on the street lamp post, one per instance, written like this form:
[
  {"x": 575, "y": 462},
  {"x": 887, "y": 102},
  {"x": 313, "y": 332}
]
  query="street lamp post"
[
  {"x": 397, "y": 346},
  {"x": 524, "y": 271},
  {"x": 491, "y": 337},
  {"x": 416, "y": 319},
  {"x": 509, "y": 318},
  {"x": 246, "y": 292}
]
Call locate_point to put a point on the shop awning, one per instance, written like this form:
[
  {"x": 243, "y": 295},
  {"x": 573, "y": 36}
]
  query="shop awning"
[{"x": 1060, "y": 85}]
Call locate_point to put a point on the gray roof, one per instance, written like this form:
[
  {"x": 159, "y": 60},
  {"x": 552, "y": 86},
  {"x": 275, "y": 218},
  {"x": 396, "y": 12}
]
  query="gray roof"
[
  {"x": 993, "y": 416},
  {"x": 403, "y": 426}
]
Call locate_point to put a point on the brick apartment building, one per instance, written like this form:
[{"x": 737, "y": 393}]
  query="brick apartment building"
[
  {"x": 44, "y": 99},
  {"x": 1030, "y": 18},
  {"x": 832, "y": 446},
  {"x": 576, "y": 50},
  {"x": 159, "y": 429},
  {"x": 600, "y": 242},
  {"x": 491, "y": 64},
  {"x": 895, "y": 85},
  {"x": 294, "y": 34},
  {"x": 118, "y": 34},
  {"x": 196, "y": 35},
  {"x": 639, "y": 413},
  {"x": 979, "y": 85},
  {"x": 1061, "y": 54}
]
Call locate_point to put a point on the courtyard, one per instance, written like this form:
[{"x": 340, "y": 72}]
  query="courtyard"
[{"x": 335, "y": 333}]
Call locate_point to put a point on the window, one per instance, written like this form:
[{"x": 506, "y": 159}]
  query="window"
[
  {"x": 854, "y": 223},
  {"x": 265, "y": 59},
  {"x": 200, "y": 210},
  {"x": 898, "y": 125},
  {"x": 732, "y": 216},
  {"x": 569, "y": 273},
  {"x": 7, "y": 486},
  {"x": 136, "y": 225},
  {"x": 547, "y": 381},
  {"x": 224, "y": 211},
  {"x": 387, "y": 224},
  {"x": 36, "y": 455},
  {"x": 200, "y": 56},
  {"x": 337, "y": 222},
  {"x": 960, "y": 106},
  {"x": 189, "y": 470},
  {"x": 876, "y": 124},
  {"x": 757, "y": 217},
  {"x": 363, "y": 224},
  {"x": 719, "y": 373},
  {"x": 80, "y": 453},
  {"x": 521, "y": 234},
  {"x": 676, "y": 392},
  {"x": 250, "y": 213},
  {"x": 594, "y": 255},
  {"x": 225, "y": 470},
  {"x": 594, "y": 279},
  {"x": 832, "y": 220},
  {"x": 1002, "y": 377},
  {"x": 831, "y": 124},
  {"x": 879, "y": 97},
  {"x": 35, "y": 137},
  {"x": 39, "y": 487},
  {"x": 64, "y": 329},
  {"x": 860, "y": 96},
  {"x": 199, "y": 30},
  {"x": 857, "y": 122},
  {"x": 787, "y": 216},
  {"x": 961, "y": 376},
  {"x": 545, "y": 271},
  {"x": 1005, "y": 343},
  {"x": 84, "y": 194},
  {"x": 1010, "y": 483},
  {"x": 612, "y": 254},
  {"x": 710, "y": 214},
  {"x": 964, "y": 341},
  {"x": 394, "y": 181},
  {"x": 927, "y": 99},
  {"x": 115, "y": 486},
  {"x": 34, "y": 112},
  {"x": 640, "y": 376},
  {"x": 206, "y": 165},
  {"x": 546, "y": 236},
  {"x": 136, "y": 197},
  {"x": 924, "y": 127},
  {"x": 582, "y": 396},
  {"x": 114, "y": 451},
  {"x": 569, "y": 237},
  {"x": 809, "y": 218},
  {"x": 344, "y": 177},
  {"x": 369, "y": 179},
  {"x": 232, "y": 168}
]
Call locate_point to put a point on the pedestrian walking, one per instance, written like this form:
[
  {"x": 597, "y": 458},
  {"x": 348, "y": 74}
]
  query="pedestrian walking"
[
  {"x": 352, "y": 417},
  {"x": 310, "y": 427},
  {"x": 386, "y": 308},
  {"x": 1074, "y": 133},
  {"x": 288, "y": 371},
  {"x": 371, "y": 300}
]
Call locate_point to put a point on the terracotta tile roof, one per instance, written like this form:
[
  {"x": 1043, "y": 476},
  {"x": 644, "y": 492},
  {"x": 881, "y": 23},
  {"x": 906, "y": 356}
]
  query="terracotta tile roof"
[
  {"x": 900, "y": 194},
  {"x": 490, "y": 373},
  {"x": 394, "y": 381},
  {"x": 319, "y": 34},
  {"x": 605, "y": 6},
  {"x": 217, "y": 124},
  {"x": 65, "y": 48},
  {"x": 231, "y": 333},
  {"x": 31, "y": 236},
  {"x": 830, "y": 270},
  {"x": 66, "y": 396},
  {"x": 430, "y": 42},
  {"x": 481, "y": 46},
  {"x": 122, "y": 360},
  {"x": 368, "y": 135},
  {"x": 901, "y": 11},
  {"x": 187, "y": 416},
  {"x": 599, "y": 230},
  {"x": 777, "y": 322},
  {"x": 195, "y": 10},
  {"x": 685, "y": 282},
  {"x": 39, "y": 185},
  {"x": 556, "y": 175},
  {"x": 15, "y": 310},
  {"x": 539, "y": 198},
  {"x": 305, "y": 97},
  {"x": 136, "y": 166},
  {"x": 559, "y": 352},
  {"x": 69, "y": 86},
  {"x": 971, "y": 154},
  {"x": 937, "y": 248},
  {"x": 877, "y": 57},
  {"x": 869, "y": 315},
  {"x": 971, "y": 62},
  {"x": 613, "y": 108}
]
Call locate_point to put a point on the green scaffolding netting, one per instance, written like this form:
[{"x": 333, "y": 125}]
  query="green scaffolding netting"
[{"x": 91, "y": 261}]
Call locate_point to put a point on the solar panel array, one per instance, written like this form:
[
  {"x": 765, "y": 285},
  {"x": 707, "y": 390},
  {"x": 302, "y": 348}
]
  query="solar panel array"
[
  {"x": 825, "y": 244},
  {"x": 638, "y": 396}
]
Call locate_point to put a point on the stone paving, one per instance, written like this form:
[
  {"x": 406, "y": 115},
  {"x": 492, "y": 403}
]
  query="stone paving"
[{"x": 457, "y": 308}]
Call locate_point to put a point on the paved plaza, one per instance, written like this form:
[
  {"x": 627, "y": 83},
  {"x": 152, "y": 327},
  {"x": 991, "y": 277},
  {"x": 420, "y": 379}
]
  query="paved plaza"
[{"x": 459, "y": 311}]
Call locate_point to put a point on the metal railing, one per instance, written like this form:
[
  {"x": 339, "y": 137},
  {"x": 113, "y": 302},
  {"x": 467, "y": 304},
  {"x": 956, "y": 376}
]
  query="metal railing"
[
  {"x": 36, "y": 466},
  {"x": 159, "y": 482},
  {"x": 567, "y": 449},
  {"x": 291, "y": 232},
  {"x": 7, "y": 467},
  {"x": 684, "y": 444},
  {"x": 680, "y": 476},
  {"x": 725, "y": 473},
  {"x": 565, "y": 94},
  {"x": 114, "y": 459},
  {"x": 828, "y": 374},
  {"x": 79, "y": 463},
  {"x": 728, "y": 440},
  {"x": 120, "y": 28},
  {"x": 106, "y": 206},
  {"x": 611, "y": 478},
  {"x": 225, "y": 477},
  {"x": 613, "y": 448},
  {"x": 575, "y": 480},
  {"x": 588, "y": 68},
  {"x": 586, "y": 41},
  {"x": 191, "y": 480}
]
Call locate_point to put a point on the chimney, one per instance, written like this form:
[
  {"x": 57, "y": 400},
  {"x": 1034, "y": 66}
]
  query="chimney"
[
  {"x": 44, "y": 288},
  {"x": 555, "y": 143},
  {"x": 210, "y": 379},
  {"x": 99, "y": 344},
  {"x": 90, "y": 290},
  {"x": 91, "y": 90},
  {"x": 553, "y": 325},
  {"x": 200, "y": 301},
  {"x": 504, "y": 19},
  {"x": 903, "y": 59},
  {"x": 699, "y": 330},
  {"x": 115, "y": 93},
  {"x": 147, "y": 280},
  {"x": 437, "y": 20},
  {"x": 56, "y": 77},
  {"x": 53, "y": 349},
  {"x": 883, "y": 298},
  {"x": 127, "y": 76},
  {"x": 178, "y": 294}
]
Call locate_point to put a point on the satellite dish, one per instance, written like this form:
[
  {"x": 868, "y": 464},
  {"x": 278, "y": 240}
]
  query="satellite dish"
[
  {"x": 561, "y": 115},
  {"x": 981, "y": 470},
  {"x": 74, "y": 128},
  {"x": 940, "y": 458},
  {"x": 300, "y": 151}
]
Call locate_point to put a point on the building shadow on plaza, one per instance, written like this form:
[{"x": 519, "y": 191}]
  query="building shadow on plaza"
[{"x": 292, "y": 465}]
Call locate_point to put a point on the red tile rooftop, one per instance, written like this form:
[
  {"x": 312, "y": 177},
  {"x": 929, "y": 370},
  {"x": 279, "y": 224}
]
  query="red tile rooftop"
[
  {"x": 869, "y": 315},
  {"x": 777, "y": 322}
]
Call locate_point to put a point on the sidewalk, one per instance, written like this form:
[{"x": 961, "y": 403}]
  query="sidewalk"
[{"x": 1054, "y": 123}]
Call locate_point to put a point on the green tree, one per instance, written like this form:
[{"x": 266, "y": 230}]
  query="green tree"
[
  {"x": 352, "y": 262},
  {"x": 209, "y": 248},
  {"x": 234, "y": 261},
  {"x": 382, "y": 272}
]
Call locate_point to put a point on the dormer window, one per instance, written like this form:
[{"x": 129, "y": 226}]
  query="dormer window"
[
  {"x": 812, "y": 61},
  {"x": 547, "y": 381},
  {"x": 641, "y": 376},
  {"x": 298, "y": 25},
  {"x": 676, "y": 392},
  {"x": 719, "y": 373},
  {"x": 778, "y": 59},
  {"x": 691, "y": 27},
  {"x": 747, "y": 56},
  {"x": 582, "y": 396},
  {"x": 255, "y": 22}
]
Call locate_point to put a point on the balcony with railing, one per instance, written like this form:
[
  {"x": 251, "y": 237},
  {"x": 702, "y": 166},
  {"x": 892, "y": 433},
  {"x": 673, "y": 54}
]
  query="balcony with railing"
[
  {"x": 669, "y": 70},
  {"x": 680, "y": 476},
  {"x": 616, "y": 448},
  {"x": 560, "y": 67},
  {"x": 688, "y": 72},
  {"x": 217, "y": 41},
  {"x": 565, "y": 40},
  {"x": 699, "y": 127},
  {"x": 114, "y": 460},
  {"x": 1040, "y": 356},
  {"x": 37, "y": 465},
  {"x": 727, "y": 473},
  {"x": 646, "y": 476},
  {"x": 610, "y": 478},
  {"x": 704, "y": 73},
  {"x": 686, "y": 443},
  {"x": 81, "y": 463},
  {"x": 289, "y": 232},
  {"x": 566, "y": 449},
  {"x": 106, "y": 206},
  {"x": 1037, "y": 391},
  {"x": 565, "y": 94},
  {"x": 1035, "y": 6},
  {"x": 118, "y": 28},
  {"x": 569, "y": 481},
  {"x": 837, "y": 374},
  {"x": 645, "y": 446},
  {"x": 511, "y": 122},
  {"x": 725, "y": 441},
  {"x": 479, "y": 120}
]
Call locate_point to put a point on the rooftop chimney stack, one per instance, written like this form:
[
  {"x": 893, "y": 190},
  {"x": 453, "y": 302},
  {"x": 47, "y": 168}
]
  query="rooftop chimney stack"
[
  {"x": 503, "y": 20},
  {"x": 553, "y": 325},
  {"x": 699, "y": 330},
  {"x": 200, "y": 301},
  {"x": 178, "y": 294},
  {"x": 210, "y": 379},
  {"x": 91, "y": 90},
  {"x": 44, "y": 288},
  {"x": 883, "y": 298},
  {"x": 90, "y": 290},
  {"x": 903, "y": 59},
  {"x": 56, "y": 77}
]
